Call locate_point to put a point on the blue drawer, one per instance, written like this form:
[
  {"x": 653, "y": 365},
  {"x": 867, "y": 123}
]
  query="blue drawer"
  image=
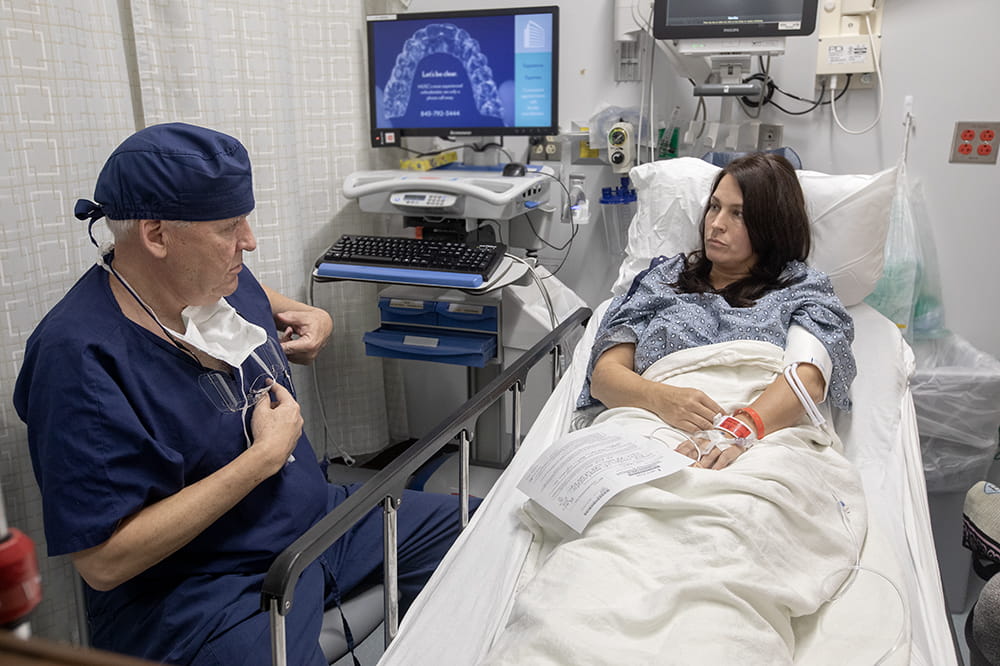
[
  {"x": 408, "y": 311},
  {"x": 468, "y": 315},
  {"x": 429, "y": 345}
]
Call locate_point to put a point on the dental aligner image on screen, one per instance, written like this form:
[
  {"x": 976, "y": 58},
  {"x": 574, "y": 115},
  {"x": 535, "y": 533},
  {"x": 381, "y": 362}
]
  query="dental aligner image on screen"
[{"x": 448, "y": 39}]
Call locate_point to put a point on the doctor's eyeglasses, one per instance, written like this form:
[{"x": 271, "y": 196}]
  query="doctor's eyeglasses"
[{"x": 235, "y": 392}]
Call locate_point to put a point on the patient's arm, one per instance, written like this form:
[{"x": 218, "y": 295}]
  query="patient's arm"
[
  {"x": 778, "y": 408},
  {"x": 616, "y": 384}
]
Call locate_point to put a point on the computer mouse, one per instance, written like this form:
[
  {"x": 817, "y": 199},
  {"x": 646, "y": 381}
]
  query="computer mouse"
[{"x": 514, "y": 169}]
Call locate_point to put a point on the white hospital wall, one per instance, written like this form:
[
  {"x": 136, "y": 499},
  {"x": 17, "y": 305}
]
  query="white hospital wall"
[{"x": 941, "y": 54}]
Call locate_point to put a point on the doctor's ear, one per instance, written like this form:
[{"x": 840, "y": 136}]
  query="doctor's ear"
[{"x": 151, "y": 236}]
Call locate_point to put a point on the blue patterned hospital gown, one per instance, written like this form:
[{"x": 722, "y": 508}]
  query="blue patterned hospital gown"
[{"x": 660, "y": 321}]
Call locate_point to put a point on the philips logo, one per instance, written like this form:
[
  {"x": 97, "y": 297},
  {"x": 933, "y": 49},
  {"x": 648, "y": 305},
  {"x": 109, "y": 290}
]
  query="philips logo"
[{"x": 730, "y": 30}]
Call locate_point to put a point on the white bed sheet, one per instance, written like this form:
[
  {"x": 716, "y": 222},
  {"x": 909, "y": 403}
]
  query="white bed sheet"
[{"x": 466, "y": 602}]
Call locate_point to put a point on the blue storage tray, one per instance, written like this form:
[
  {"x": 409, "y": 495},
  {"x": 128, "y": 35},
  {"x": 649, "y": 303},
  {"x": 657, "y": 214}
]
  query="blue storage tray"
[
  {"x": 400, "y": 275},
  {"x": 408, "y": 311},
  {"x": 468, "y": 315},
  {"x": 428, "y": 345}
]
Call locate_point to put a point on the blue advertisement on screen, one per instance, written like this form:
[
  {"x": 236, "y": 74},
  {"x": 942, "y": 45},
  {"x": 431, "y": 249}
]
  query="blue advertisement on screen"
[
  {"x": 485, "y": 71},
  {"x": 533, "y": 78}
]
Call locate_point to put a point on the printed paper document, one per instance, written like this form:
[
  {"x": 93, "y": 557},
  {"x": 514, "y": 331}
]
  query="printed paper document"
[{"x": 581, "y": 472}]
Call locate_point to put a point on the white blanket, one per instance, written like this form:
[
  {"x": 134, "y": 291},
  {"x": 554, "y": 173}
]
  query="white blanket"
[{"x": 703, "y": 567}]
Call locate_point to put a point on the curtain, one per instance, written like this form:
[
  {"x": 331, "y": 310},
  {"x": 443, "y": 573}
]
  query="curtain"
[
  {"x": 64, "y": 104},
  {"x": 285, "y": 77},
  {"x": 288, "y": 79}
]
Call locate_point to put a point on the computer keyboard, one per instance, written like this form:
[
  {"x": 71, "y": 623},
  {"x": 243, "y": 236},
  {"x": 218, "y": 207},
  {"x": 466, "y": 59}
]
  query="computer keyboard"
[{"x": 412, "y": 260}]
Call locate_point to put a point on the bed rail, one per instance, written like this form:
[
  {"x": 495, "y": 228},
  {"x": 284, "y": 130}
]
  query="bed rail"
[{"x": 385, "y": 489}]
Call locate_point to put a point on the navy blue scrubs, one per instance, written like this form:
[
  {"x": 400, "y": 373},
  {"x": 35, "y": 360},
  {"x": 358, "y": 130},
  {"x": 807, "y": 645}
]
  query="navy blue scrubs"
[{"x": 118, "y": 419}]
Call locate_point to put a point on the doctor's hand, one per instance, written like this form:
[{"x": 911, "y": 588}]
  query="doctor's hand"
[
  {"x": 686, "y": 409},
  {"x": 303, "y": 333},
  {"x": 276, "y": 425}
]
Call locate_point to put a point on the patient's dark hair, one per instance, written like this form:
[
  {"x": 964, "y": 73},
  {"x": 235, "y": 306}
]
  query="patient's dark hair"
[{"x": 774, "y": 212}]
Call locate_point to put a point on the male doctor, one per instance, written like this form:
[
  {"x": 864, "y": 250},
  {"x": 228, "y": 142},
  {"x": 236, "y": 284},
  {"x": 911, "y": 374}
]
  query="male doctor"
[{"x": 164, "y": 430}]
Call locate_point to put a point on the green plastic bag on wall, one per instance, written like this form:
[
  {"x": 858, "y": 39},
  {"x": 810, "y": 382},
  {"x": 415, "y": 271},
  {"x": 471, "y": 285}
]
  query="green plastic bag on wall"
[
  {"x": 928, "y": 307},
  {"x": 896, "y": 291}
]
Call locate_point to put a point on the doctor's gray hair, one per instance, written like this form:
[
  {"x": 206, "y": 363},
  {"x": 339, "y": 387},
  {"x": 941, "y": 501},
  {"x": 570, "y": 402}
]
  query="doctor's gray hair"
[{"x": 119, "y": 228}]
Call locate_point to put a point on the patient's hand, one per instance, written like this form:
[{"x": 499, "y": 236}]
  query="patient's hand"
[
  {"x": 686, "y": 409},
  {"x": 688, "y": 448},
  {"x": 716, "y": 459},
  {"x": 711, "y": 457}
]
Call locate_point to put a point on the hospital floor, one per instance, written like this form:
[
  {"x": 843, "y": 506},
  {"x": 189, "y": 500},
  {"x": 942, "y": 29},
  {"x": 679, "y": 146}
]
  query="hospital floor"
[
  {"x": 946, "y": 521},
  {"x": 368, "y": 653},
  {"x": 958, "y": 619}
]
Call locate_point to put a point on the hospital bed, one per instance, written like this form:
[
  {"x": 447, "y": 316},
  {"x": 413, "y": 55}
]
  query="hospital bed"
[{"x": 895, "y": 617}]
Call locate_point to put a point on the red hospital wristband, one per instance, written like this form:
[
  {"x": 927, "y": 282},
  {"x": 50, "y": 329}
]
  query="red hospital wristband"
[
  {"x": 735, "y": 427},
  {"x": 758, "y": 423}
]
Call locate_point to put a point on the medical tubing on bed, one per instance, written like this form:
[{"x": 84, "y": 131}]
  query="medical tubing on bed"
[
  {"x": 799, "y": 389},
  {"x": 902, "y": 637},
  {"x": 689, "y": 439},
  {"x": 714, "y": 439}
]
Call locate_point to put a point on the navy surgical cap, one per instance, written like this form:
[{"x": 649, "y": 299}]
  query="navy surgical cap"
[{"x": 173, "y": 171}]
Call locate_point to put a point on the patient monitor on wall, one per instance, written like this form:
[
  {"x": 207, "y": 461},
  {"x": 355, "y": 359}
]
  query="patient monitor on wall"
[
  {"x": 710, "y": 27},
  {"x": 727, "y": 34}
]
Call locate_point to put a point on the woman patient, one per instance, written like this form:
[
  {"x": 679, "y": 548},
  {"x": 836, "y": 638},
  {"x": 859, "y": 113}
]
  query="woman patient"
[
  {"x": 747, "y": 282},
  {"x": 713, "y": 563}
]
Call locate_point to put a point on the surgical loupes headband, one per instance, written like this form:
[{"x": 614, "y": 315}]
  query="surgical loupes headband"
[{"x": 172, "y": 171}]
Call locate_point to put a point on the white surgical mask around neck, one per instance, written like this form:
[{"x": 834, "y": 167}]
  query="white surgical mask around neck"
[{"x": 217, "y": 329}]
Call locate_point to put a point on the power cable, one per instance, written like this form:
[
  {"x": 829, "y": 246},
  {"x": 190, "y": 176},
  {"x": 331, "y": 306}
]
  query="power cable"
[{"x": 878, "y": 75}]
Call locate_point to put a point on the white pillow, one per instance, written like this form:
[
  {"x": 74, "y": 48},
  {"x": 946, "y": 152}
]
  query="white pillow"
[{"x": 848, "y": 215}]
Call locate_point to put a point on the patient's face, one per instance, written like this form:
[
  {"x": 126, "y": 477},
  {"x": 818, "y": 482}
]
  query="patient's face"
[{"x": 727, "y": 243}]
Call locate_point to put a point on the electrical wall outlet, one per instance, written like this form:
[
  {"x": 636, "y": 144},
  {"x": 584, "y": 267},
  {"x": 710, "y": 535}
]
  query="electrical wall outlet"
[
  {"x": 975, "y": 142},
  {"x": 769, "y": 136},
  {"x": 547, "y": 148}
]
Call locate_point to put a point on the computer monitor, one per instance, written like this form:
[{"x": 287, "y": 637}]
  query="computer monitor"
[
  {"x": 732, "y": 26},
  {"x": 489, "y": 73}
]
